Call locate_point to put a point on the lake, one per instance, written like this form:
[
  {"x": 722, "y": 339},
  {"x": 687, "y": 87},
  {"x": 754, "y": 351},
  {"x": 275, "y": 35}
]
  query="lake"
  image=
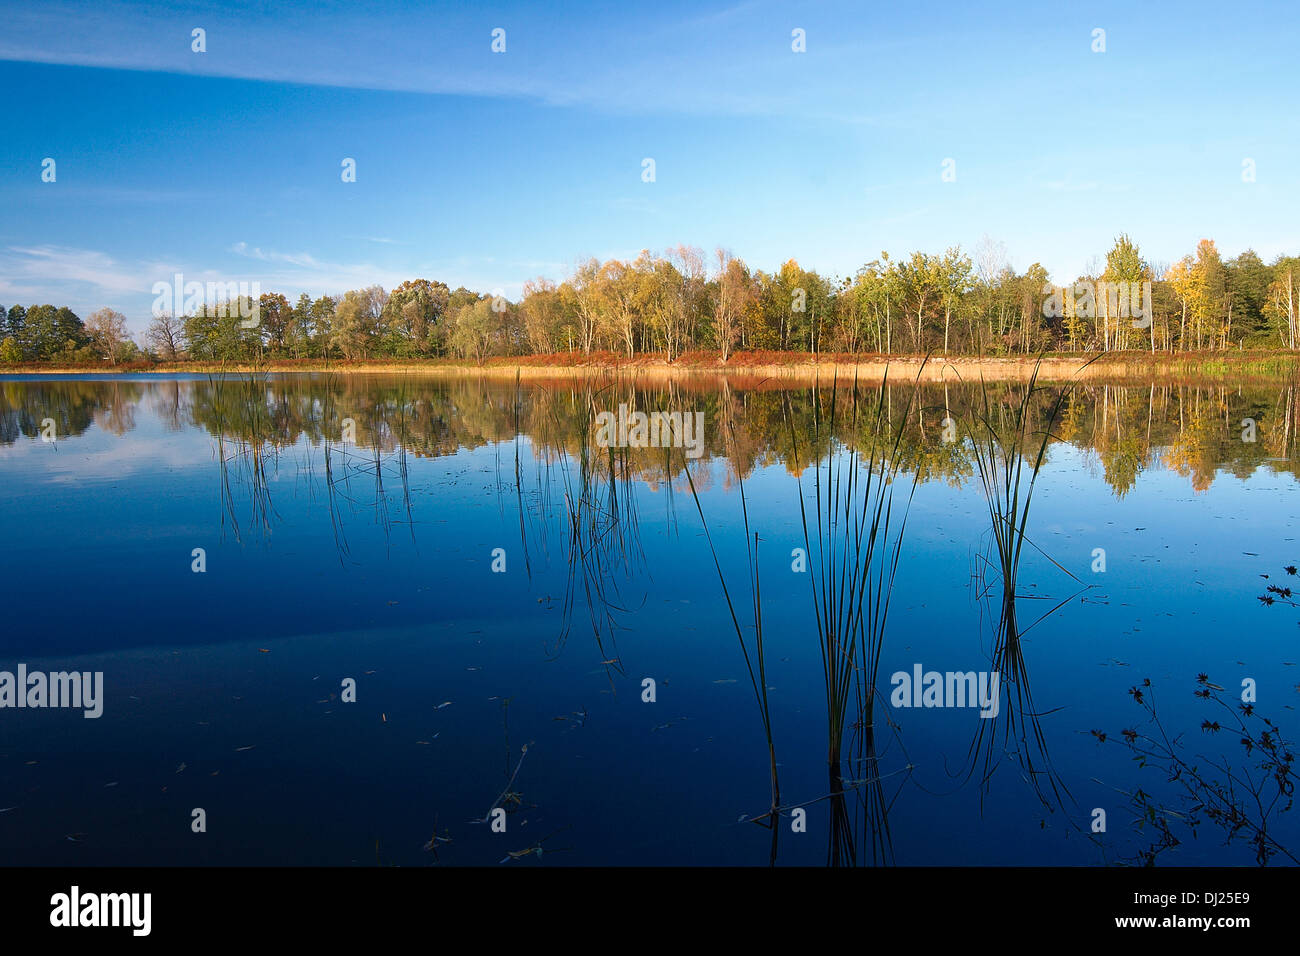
[{"x": 404, "y": 620}]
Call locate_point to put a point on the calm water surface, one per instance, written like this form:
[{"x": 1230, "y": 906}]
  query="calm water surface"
[{"x": 372, "y": 559}]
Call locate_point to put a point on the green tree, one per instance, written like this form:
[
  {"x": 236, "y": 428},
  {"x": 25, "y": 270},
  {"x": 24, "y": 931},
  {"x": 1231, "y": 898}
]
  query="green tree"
[
  {"x": 413, "y": 316},
  {"x": 322, "y": 324},
  {"x": 1247, "y": 280},
  {"x": 472, "y": 327},
  {"x": 16, "y": 327},
  {"x": 276, "y": 317},
  {"x": 955, "y": 280},
  {"x": 1124, "y": 264},
  {"x": 920, "y": 285}
]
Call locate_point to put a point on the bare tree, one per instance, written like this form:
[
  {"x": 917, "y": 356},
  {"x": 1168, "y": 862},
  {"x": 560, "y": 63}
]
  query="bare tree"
[
  {"x": 107, "y": 329},
  {"x": 164, "y": 336},
  {"x": 586, "y": 294},
  {"x": 690, "y": 296},
  {"x": 990, "y": 260}
]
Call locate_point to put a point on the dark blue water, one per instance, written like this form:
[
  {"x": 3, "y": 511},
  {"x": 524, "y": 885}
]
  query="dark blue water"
[{"x": 222, "y": 689}]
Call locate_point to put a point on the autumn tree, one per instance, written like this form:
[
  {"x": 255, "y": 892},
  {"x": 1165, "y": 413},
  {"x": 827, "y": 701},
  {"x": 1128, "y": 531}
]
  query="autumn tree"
[
  {"x": 1208, "y": 292},
  {"x": 585, "y": 291},
  {"x": 735, "y": 293},
  {"x": 1283, "y": 303},
  {"x": 471, "y": 328}
]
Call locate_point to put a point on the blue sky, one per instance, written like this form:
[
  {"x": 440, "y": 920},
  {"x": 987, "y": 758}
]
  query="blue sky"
[{"x": 486, "y": 169}]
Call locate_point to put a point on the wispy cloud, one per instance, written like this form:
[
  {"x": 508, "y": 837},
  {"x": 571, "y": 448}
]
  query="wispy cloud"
[
  {"x": 303, "y": 259},
  {"x": 728, "y": 63},
  {"x": 37, "y": 269}
]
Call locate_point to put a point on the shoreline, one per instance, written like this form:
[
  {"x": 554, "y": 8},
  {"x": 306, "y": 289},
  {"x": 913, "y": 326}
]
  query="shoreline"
[{"x": 791, "y": 367}]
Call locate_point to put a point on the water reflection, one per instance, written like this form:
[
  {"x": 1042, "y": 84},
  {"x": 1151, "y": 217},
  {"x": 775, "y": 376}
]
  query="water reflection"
[
  {"x": 1196, "y": 430},
  {"x": 595, "y": 531}
]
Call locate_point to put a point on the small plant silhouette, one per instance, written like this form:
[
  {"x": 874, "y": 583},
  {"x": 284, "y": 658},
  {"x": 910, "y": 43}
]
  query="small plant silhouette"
[{"x": 1243, "y": 800}]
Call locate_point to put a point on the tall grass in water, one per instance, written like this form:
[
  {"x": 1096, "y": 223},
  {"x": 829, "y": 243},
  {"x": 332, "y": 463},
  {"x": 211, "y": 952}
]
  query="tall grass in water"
[
  {"x": 853, "y": 540},
  {"x": 1009, "y": 455},
  {"x": 602, "y": 528},
  {"x": 859, "y": 541},
  {"x": 329, "y": 414},
  {"x": 249, "y": 430},
  {"x": 753, "y": 648}
]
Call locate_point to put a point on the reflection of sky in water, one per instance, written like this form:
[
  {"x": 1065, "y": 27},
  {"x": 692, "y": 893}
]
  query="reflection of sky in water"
[{"x": 97, "y": 533}]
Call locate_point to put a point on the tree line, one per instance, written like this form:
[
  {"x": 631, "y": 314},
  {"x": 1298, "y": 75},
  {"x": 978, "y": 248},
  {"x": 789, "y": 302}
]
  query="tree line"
[{"x": 684, "y": 300}]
